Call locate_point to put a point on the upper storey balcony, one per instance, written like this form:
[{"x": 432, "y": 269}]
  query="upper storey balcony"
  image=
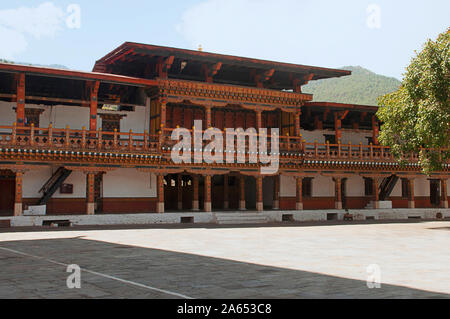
[{"x": 110, "y": 148}]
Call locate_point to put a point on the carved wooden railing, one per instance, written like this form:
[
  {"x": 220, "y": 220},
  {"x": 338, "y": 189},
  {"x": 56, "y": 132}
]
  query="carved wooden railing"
[
  {"x": 294, "y": 147},
  {"x": 291, "y": 148},
  {"x": 77, "y": 140}
]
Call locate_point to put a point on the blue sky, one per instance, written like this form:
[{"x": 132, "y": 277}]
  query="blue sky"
[{"x": 379, "y": 35}]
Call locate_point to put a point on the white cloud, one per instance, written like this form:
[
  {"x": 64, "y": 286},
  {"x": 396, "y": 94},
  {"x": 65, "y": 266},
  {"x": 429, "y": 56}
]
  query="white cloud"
[
  {"x": 12, "y": 43},
  {"x": 45, "y": 20}
]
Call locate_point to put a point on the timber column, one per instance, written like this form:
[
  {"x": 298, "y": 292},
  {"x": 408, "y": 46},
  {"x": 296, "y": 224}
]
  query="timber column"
[
  {"x": 90, "y": 206},
  {"x": 226, "y": 203},
  {"x": 242, "y": 193},
  {"x": 258, "y": 119},
  {"x": 299, "y": 192},
  {"x": 160, "y": 193},
  {"x": 376, "y": 195},
  {"x": 208, "y": 116},
  {"x": 20, "y": 119},
  {"x": 276, "y": 193},
  {"x": 411, "y": 202},
  {"x": 18, "y": 207},
  {"x": 259, "y": 194},
  {"x": 338, "y": 198},
  {"x": 93, "y": 106},
  {"x": 444, "y": 196},
  {"x": 297, "y": 123},
  {"x": 195, "y": 182},
  {"x": 207, "y": 204}
]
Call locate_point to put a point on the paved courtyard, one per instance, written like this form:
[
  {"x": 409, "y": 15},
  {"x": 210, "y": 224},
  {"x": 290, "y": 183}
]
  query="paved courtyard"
[{"x": 279, "y": 261}]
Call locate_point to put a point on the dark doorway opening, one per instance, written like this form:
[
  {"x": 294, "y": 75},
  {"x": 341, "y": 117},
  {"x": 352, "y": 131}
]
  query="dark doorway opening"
[
  {"x": 7, "y": 192},
  {"x": 435, "y": 194}
]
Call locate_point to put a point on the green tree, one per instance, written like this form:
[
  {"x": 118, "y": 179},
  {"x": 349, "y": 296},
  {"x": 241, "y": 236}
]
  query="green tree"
[{"x": 416, "y": 118}]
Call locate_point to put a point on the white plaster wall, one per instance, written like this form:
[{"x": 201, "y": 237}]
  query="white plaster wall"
[
  {"x": 422, "y": 186},
  {"x": 397, "y": 191},
  {"x": 355, "y": 186},
  {"x": 287, "y": 186},
  {"x": 348, "y": 136},
  {"x": 128, "y": 182},
  {"x": 7, "y": 114},
  {"x": 75, "y": 116},
  {"x": 322, "y": 186},
  {"x": 34, "y": 179}
]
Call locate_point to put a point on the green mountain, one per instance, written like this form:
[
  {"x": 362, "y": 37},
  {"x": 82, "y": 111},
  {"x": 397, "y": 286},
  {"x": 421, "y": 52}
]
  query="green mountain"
[{"x": 362, "y": 87}]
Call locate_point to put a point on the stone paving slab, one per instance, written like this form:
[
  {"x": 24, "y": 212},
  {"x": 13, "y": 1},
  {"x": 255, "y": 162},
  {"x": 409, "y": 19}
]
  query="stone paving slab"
[{"x": 245, "y": 262}]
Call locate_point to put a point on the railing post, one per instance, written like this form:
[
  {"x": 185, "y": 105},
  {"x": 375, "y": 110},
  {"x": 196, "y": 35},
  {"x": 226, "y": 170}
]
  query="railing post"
[
  {"x": 361, "y": 154},
  {"x": 145, "y": 140},
  {"x": 83, "y": 137},
  {"x": 115, "y": 146},
  {"x": 67, "y": 141},
  {"x": 339, "y": 149},
  {"x": 130, "y": 140},
  {"x": 100, "y": 139},
  {"x": 50, "y": 135},
  {"x": 316, "y": 149},
  {"x": 14, "y": 134},
  {"x": 382, "y": 152},
  {"x": 32, "y": 135},
  {"x": 349, "y": 155},
  {"x": 371, "y": 151},
  {"x": 328, "y": 155}
]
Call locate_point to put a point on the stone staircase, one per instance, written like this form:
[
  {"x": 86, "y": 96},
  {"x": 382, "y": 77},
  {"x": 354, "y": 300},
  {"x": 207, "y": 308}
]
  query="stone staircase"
[{"x": 240, "y": 218}]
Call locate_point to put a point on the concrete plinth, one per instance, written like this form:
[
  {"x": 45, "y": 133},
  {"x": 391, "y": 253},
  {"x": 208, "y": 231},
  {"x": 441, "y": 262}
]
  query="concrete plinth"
[
  {"x": 180, "y": 205},
  {"x": 276, "y": 204},
  {"x": 299, "y": 206},
  {"x": 18, "y": 211},
  {"x": 259, "y": 207},
  {"x": 338, "y": 205},
  {"x": 411, "y": 204},
  {"x": 90, "y": 209},
  {"x": 226, "y": 205},
  {"x": 195, "y": 205},
  {"x": 242, "y": 205},
  {"x": 160, "y": 208},
  {"x": 208, "y": 207}
]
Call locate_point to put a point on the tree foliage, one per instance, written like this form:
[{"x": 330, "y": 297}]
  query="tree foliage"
[{"x": 416, "y": 118}]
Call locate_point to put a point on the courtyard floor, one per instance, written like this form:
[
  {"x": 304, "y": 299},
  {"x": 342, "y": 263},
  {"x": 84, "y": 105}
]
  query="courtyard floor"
[{"x": 270, "y": 261}]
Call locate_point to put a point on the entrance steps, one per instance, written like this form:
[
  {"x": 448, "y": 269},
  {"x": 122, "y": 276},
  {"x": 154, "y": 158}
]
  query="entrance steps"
[{"x": 240, "y": 218}]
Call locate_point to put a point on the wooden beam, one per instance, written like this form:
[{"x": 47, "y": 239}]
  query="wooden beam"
[{"x": 20, "y": 118}]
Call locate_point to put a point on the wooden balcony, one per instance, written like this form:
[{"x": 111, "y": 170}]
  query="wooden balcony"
[
  {"x": 292, "y": 150},
  {"x": 77, "y": 140}
]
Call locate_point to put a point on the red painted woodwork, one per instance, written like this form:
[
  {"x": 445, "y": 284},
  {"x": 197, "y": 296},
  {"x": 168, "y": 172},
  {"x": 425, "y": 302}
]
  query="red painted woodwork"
[
  {"x": 229, "y": 120},
  {"x": 20, "y": 120}
]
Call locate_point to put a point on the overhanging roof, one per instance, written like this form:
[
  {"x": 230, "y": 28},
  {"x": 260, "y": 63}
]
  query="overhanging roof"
[
  {"x": 76, "y": 75},
  {"x": 133, "y": 58}
]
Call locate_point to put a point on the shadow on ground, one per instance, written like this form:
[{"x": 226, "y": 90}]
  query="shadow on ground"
[{"x": 191, "y": 275}]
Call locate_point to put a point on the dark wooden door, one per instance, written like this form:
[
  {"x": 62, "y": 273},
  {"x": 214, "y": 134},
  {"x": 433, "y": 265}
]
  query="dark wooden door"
[
  {"x": 344, "y": 192},
  {"x": 7, "y": 190},
  {"x": 435, "y": 196}
]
